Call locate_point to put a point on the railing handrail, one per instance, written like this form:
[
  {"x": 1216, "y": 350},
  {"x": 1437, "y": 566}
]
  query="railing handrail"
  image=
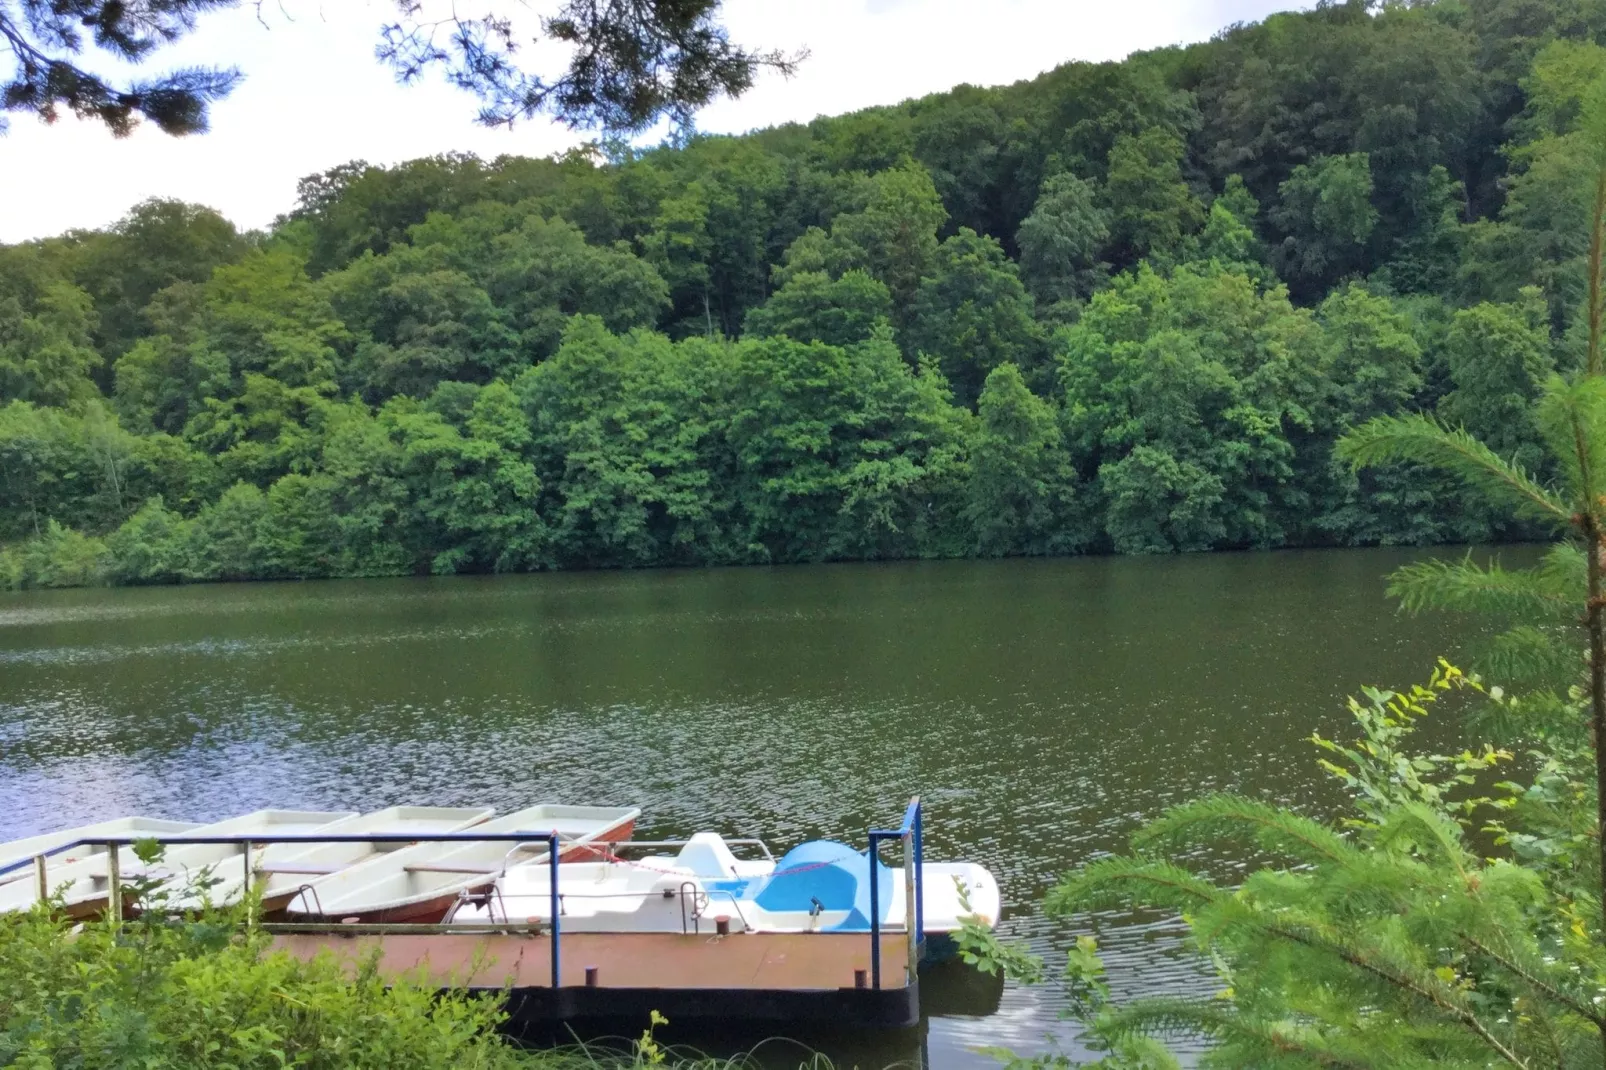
[
  {"x": 553, "y": 842},
  {"x": 264, "y": 839}
]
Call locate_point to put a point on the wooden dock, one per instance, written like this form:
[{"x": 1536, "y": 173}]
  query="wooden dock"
[
  {"x": 842, "y": 978},
  {"x": 824, "y": 977}
]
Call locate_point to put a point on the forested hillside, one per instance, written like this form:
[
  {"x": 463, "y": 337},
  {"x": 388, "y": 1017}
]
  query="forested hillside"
[{"x": 1121, "y": 307}]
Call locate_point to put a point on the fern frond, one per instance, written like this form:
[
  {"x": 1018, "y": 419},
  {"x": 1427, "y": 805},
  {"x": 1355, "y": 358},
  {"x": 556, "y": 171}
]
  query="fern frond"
[{"x": 1424, "y": 440}]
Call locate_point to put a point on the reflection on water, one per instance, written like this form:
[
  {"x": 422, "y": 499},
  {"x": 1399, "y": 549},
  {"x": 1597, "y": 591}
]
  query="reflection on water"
[{"x": 1041, "y": 708}]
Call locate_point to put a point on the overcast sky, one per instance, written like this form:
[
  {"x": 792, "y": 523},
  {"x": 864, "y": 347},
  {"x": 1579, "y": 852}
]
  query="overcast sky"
[{"x": 314, "y": 96}]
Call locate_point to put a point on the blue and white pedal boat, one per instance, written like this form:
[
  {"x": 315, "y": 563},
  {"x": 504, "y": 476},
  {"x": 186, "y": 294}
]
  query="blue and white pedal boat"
[{"x": 818, "y": 886}]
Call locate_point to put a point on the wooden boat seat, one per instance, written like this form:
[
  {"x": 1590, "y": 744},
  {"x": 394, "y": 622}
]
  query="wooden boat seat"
[{"x": 430, "y": 867}]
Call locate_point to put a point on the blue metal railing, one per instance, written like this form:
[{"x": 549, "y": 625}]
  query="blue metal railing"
[{"x": 910, "y": 833}]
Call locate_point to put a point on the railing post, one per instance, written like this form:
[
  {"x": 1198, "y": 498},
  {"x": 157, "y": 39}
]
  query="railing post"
[
  {"x": 245, "y": 888},
  {"x": 875, "y": 912},
  {"x": 552, "y": 858},
  {"x": 920, "y": 875},
  {"x": 114, "y": 881},
  {"x": 911, "y": 904},
  {"x": 42, "y": 881}
]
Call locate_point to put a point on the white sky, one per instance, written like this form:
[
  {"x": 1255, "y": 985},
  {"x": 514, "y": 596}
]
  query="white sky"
[{"x": 315, "y": 97}]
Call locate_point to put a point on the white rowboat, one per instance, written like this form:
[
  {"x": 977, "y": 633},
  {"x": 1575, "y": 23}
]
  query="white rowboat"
[
  {"x": 18, "y": 851},
  {"x": 85, "y": 884},
  {"x": 280, "y": 871},
  {"x": 420, "y": 883}
]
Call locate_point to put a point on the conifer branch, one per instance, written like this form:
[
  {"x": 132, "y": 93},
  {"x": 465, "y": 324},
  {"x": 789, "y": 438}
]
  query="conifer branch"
[
  {"x": 1551, "y": 992},
  {"x": 1271, "y": 828},
  {"x": 1103, "y": 884},
  {"x": 1400, "y": 980},
  {"x": 1467, "y": 587},
  {"x": 1424, "y": 440},
  {"x": 1214, "y": 1019}
]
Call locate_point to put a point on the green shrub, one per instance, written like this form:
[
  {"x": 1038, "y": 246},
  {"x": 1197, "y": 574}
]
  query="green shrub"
[
  {"x": 58, "y": 557},
  {"x": 152, "y": 546},
  {"x": 206, "y": 993}
]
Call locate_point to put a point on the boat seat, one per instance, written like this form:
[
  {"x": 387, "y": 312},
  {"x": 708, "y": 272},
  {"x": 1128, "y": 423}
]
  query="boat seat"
[{"x": 707, "y": 855}]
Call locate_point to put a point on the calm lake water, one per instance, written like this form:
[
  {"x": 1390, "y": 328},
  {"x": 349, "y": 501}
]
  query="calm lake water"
[{"x": 1041, "y": 708}]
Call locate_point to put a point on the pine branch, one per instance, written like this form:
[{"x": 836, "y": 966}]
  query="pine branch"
[
  {"x": 1417, "y": 822},
  {"x": 1466, "y": 587},
  {"x": 44, "y": 76},
  {"x": 1424, "y": 440},
  {"x": 1572, "y": 418},
  {"x": 1578, "y": 1007},
  {"x": 1117, "y": 883},
  {"x": 1423, "y": 991},
  {"x": 1532, "y": 656},
  {"x": 1220, "y": 1021},
  {"x": 1272, "y": 829}
]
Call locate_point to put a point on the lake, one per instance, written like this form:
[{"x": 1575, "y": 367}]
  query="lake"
[{"x": 1041, "y": 708}]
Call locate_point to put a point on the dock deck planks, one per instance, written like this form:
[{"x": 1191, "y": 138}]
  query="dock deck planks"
[{"x": 772, "y": 962}]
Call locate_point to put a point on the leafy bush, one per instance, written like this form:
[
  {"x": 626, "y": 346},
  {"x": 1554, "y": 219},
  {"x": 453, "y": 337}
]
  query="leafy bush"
[
  {"x": 57, "y": 557},
  {"x": 205, "y": 993},
  {"x": 208, "y": 991}
]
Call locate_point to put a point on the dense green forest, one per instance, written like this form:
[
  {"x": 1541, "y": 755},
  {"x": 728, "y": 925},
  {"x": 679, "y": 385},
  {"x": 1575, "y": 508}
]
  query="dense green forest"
[{"x": 1120, "y": 307}]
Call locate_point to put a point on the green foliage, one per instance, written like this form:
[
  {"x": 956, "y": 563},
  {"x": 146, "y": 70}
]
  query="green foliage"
[
  {"x": 1325, "y": 206},
  {"x": 971, "y": 314},
  {"x": 894, "y": 236},
  {"x": 184, "y": 987},
  {"x": 1061, "y": 241},
  {"x": 1022, "y": 496},
  {"x": 158, "y": 244},
  {"x": 812, "y": 307},
  {"x": 186, "y": 995},
  {"x": 1499, "y": 358},
  {"x": 1150, "y": 206},
  {"x": 149, "y": 547},
  {"x": 1392, "y": 941},
  {"x": 980, "y": 947},
  {"x": 46, "y": 328},
  {"x": 56, "y": 557},
  {"x": 1394, "y": 184},
  {"x": 1181, "y": 395}
]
